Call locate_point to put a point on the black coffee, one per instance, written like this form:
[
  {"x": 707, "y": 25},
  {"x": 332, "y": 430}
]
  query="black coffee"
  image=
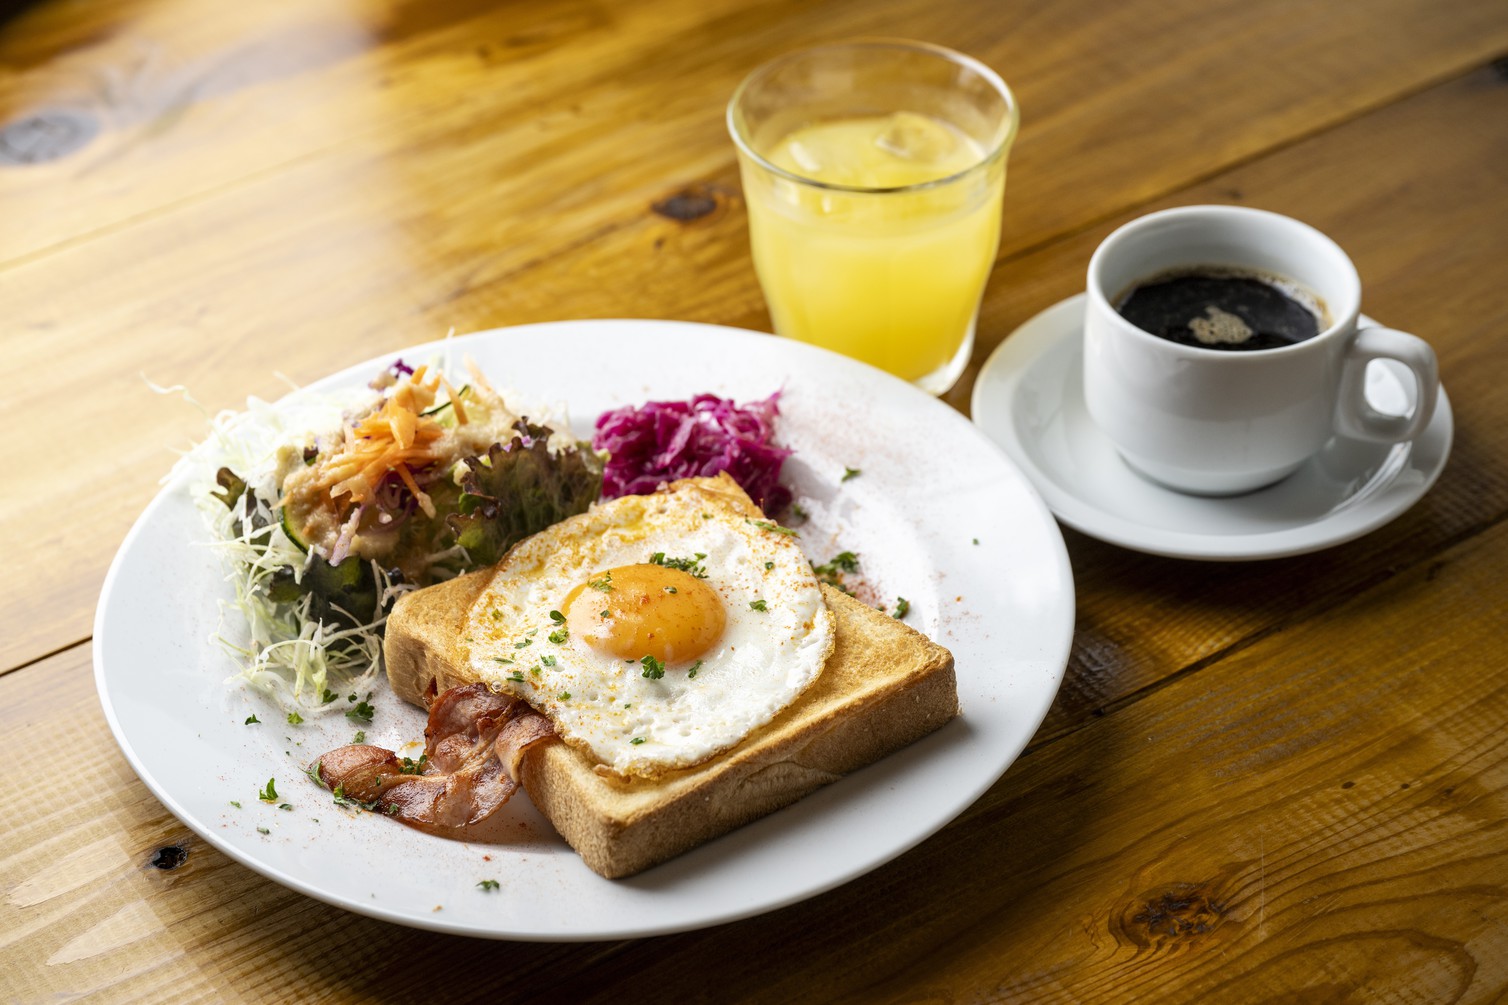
[{"x": 1223, "y": 309}]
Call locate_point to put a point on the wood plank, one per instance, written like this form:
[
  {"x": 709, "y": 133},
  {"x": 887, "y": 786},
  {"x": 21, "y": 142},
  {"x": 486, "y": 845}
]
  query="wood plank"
[
  {"x": 85, "y": 910},
  {"x": 1425, "y": 234},
  {"x": 445, "y": 206},
  {"x": 1327, "y": 821},
  {"x": 1142, "y": 619},
  {"x": 253, "y": 91},
  {"x": 1316, "y": 818}
]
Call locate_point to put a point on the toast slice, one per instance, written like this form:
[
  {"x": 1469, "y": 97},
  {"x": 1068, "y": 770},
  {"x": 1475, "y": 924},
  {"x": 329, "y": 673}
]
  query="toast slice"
[{"x": 884, "y": 686}]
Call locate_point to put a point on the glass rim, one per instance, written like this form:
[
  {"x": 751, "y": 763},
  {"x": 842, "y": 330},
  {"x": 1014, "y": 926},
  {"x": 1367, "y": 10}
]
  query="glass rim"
[{"x": 1003, "y": 143}]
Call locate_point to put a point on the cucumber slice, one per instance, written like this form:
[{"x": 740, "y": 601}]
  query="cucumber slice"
[{"x": 298, "y": 542}]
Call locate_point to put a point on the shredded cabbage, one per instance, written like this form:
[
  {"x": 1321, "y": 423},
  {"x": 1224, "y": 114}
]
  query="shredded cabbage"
[
  {"x": 298, "y": 662},
  {"x": 283, "y": 649}
]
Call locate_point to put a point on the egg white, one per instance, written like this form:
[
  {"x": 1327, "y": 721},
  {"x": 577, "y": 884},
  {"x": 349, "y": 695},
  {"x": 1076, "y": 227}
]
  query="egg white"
[{"x": 633, "y": 724}]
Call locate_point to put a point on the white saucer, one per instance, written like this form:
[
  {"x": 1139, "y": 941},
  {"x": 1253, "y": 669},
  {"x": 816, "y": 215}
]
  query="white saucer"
[{"x": 1029, "y": 399}]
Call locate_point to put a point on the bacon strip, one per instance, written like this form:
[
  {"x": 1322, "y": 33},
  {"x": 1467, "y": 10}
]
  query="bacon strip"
[{"x": 474, "y": 744}]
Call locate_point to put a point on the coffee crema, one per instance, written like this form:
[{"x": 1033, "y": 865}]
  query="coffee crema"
[{"x": 1217, "y": 307}]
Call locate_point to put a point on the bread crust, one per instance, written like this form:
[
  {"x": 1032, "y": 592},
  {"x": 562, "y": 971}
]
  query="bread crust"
[{"x": 884, "y": 686}]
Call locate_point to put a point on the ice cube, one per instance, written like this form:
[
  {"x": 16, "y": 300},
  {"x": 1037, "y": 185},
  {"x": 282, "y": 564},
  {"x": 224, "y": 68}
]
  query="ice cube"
[
  {"x": 805, "y": 158},
  {"x": 917, "y": 138}
]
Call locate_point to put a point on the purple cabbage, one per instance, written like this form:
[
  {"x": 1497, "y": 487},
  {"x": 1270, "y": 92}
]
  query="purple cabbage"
[{"x": 661, "y": 441}]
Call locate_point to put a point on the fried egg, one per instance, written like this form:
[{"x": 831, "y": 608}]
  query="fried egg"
[{"x": 655, "y": 631}]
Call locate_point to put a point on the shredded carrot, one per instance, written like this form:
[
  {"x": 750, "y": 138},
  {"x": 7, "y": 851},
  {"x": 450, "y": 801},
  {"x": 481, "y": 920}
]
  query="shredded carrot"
[
  {"x": 394, "y": 438},
  {"x": 455, "y": 401}
]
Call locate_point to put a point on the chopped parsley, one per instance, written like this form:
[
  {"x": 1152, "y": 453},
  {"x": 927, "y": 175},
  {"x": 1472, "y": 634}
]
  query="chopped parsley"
[
  {"x": 671, "y": 589},
  {"x": 694, "y": 668},
  {"x": 557, "y": 617},
  {"x": 341, "y": 799},
  {"x": 849, "y": 473},
  {"x": 294, "y": 719},
  {"x": 251, "y": 720},
  {"x": 603, "y": 585},
  {"x": 360, "y": 737},
  {"x": 521, "y": 644},
  {"x": 637, "y": 740},
  {"x": 502, "y": 659},
  {"x": 758, "y": 605},
  {"x": 263, "y": 830},
  {"x": 517, "y": 678},
  {"x": 800, "y": 511},
  {"x": 412, "y": 767},
  {"x": 976, "y": 540},
  {"x": 548, "y": 661},
  {"x": 834, "y": 569},
  {"x": 270, "y": 793},
  {"x": 362, "y": 711},
  {"x": 689, "y": 565},
  {"x": 559, "y": 635},
  {"x": 843, "y": 561},
  {"x": 235, "y": 804},
  {"x": 768, "y": 525},
  {"x": 604, "y": 612},
  {"x": 768, "y": 566},
  {"x": 326, "y": 696},
  {"x": 653, "y": 668},
  {"x": 488, "y": 885},
  {"x": 902, "y": 607},
  {"x": 285, "y": 806},
  {"x": 565, "y": 696}
]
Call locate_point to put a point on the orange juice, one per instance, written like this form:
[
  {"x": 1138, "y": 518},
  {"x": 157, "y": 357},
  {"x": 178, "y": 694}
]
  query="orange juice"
[{"x": 880, "y": 244}]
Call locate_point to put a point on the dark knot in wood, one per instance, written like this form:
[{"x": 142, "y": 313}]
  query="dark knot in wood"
[
  {"x": 689, "y": 204},
  {"x": 1499, "y": 67},
  {"x": 46, "y": 136},
  {"x": 168, "y": 857},
  {"x": 1181, "y": 912}
]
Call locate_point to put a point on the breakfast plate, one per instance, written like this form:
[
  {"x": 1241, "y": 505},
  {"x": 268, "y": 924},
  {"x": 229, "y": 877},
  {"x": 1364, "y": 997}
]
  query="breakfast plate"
[
  {"x": 936, "y": 512},
  {"x": 1029, "y": 399}
]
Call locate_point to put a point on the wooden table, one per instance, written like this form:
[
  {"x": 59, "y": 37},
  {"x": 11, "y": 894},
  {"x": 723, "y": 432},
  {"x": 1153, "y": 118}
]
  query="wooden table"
[{"x": 1277, "y": 781}]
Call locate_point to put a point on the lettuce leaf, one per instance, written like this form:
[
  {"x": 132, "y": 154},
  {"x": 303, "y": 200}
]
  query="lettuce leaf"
[
  {"x": 344, "y": 594},
  {"x": 519, "y": 489}
]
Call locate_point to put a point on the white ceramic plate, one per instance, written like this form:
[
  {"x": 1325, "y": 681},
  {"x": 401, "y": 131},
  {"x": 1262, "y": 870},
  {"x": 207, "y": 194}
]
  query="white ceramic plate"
[
  {"x": 1029, "y": 398},
  {"x": 931, "y": 485}
]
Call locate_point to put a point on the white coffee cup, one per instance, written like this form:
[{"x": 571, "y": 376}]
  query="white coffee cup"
[{"x": 1217, "y": 421}]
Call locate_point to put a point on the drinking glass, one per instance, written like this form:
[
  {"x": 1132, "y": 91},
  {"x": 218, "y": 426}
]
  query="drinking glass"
[{"x": 873, "y": 172}]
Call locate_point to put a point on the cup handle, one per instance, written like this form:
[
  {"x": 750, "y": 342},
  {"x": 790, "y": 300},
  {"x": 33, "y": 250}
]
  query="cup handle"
[{"x": 1356, "y": 417}]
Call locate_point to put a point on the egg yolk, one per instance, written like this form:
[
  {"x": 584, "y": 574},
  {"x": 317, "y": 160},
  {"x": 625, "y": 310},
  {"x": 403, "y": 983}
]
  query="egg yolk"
[{"x": 635, "y": 611}]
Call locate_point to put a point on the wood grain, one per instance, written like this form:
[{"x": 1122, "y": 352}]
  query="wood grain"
[
  {"x": 1278, "y": 782},
  {"x": 1332, "y": 830},
  {"x": 106, "y": 894},
  {"x": 1142, "y": 618},
  {"x": 295, "y": 190}
]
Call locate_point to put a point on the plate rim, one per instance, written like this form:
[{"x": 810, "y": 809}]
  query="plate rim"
[
  {"x": 1036, "y": 336},
  {"x": 1056, "y": 656}
]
